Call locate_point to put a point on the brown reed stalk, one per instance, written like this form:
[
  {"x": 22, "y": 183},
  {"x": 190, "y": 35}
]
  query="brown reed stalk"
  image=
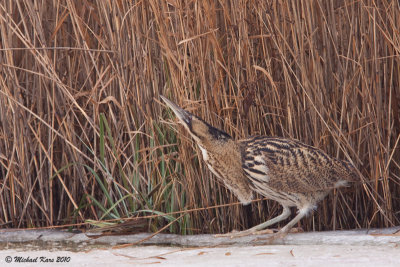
[{"x": 324, "y": 72}]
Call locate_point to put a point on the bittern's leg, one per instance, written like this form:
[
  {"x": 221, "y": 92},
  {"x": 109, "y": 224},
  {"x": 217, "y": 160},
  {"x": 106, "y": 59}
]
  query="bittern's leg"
[
  {"x": 256, "y": 229},
  {"x": 283, "y": 232},
  {"x": 302, "y": 213}
]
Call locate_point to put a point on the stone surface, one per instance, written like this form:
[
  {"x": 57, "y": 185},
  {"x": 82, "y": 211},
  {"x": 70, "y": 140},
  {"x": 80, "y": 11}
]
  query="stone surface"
[{"x": 379, "y": 247}]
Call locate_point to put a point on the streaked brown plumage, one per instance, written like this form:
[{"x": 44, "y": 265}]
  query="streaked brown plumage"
[{"x": 285, "y": 170}]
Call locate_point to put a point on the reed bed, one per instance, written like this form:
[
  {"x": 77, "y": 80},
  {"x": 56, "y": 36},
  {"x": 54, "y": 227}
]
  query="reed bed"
[{"x": 84, "y": 137}]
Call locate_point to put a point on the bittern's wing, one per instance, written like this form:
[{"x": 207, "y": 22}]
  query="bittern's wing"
[{"x": 290, "y": 166}]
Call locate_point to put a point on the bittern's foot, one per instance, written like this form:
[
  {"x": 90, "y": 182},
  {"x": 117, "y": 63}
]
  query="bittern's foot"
[
  {"x": 280, "y": 234},
  {"x": 277, "y": 234},
  {"x": 296, "y": 230},
  {"x": 272, "y": 238},
  {"x": 235, "y": 234}
]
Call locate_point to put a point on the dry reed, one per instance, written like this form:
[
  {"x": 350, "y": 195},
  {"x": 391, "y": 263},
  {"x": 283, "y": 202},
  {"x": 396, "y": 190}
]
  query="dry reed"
[{"x": 324, "y": 72}]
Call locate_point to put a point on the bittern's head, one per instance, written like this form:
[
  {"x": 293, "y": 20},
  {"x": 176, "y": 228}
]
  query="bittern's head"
[{"x": 201, "y": 131}]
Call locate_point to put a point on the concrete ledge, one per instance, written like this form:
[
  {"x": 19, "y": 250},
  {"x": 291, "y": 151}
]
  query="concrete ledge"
[{"x": 350, "y": 237}]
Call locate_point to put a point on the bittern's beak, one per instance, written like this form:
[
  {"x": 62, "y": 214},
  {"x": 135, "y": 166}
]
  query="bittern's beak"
[{"x": 184, "y": 116}]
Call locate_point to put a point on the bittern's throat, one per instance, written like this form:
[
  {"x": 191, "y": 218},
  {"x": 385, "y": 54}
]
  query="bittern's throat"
[{"x": 220, "y": 152}]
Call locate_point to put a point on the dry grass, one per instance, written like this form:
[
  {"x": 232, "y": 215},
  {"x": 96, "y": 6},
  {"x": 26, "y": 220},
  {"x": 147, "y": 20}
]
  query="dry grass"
[{"x": 324, "y": 72}]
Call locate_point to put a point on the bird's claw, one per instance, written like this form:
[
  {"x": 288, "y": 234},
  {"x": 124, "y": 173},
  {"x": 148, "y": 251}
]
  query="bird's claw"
[
  {"x": 275, "y": 233},
  {"x": 235, "y": 234}
]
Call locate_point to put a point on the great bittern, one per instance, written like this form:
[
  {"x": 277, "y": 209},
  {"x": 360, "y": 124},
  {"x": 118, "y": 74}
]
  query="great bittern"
[{"x": 285, "y": 170}]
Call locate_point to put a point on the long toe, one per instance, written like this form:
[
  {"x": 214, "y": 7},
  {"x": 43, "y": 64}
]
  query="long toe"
[
  {"x": 279, "y": 233},
  {"x": 235, "y": 234},
  {"x": 273, "y": 237},
  {"x": 296, "y": 230},
  {"x": 266, "y": 231},
  {"x": 247, "y": 232}
]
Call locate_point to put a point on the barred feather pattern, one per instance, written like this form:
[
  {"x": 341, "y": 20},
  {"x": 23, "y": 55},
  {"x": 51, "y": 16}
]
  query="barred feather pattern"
[{"x": 291, "y": 172}]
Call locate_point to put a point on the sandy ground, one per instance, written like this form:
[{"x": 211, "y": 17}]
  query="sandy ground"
[{"x": 339, "y": 248}]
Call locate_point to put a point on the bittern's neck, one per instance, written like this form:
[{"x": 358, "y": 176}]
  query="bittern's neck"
[{"x": 218, "y": 148}]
